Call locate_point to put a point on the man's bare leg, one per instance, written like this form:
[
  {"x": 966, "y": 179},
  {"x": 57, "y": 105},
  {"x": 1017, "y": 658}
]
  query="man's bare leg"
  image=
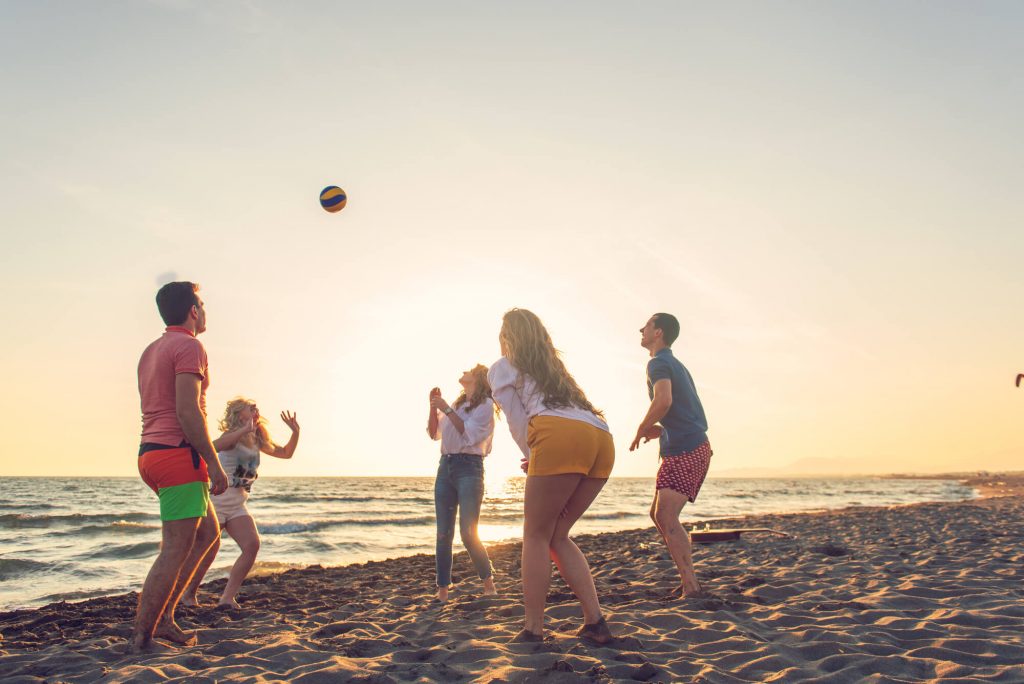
[
  {"x": 178, "y": 538},
  {"x": 206, "y": 535},
  {"x": 668, "y": 505}
]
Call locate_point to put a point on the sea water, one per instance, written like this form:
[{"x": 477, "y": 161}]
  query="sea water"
[{"x": 75, "y": 538}]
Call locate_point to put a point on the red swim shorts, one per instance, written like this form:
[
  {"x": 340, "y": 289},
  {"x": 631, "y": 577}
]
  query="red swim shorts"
[
  {"x": 685, "y": 473},
  {"x": 182, "y": 487}
]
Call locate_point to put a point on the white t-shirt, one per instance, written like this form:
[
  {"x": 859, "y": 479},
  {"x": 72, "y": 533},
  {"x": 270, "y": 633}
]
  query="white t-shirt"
[
  {"x": 518, "y": 396},
  {"x": 478, "y": 432}
]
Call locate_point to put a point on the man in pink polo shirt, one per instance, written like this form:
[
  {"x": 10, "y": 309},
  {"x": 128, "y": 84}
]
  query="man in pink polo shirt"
[{"x": 176, "y": 459}]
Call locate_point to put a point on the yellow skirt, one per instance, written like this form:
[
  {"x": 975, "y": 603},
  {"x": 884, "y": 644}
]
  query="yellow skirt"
[{"x": 563, "y": 445}]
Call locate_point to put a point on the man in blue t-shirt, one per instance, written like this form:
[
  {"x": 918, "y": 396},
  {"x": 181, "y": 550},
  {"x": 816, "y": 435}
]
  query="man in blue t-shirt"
[{"x": 676, "y": 419}]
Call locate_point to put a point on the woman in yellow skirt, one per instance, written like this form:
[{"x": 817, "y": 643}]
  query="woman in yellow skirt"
[{"x": 568, "y": 456}]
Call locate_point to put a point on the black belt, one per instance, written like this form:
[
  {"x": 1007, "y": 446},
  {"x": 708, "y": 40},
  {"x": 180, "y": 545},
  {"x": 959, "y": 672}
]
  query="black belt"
[
  {"x": 146, "y": 447},
  {"x": 474, "y": 455}
]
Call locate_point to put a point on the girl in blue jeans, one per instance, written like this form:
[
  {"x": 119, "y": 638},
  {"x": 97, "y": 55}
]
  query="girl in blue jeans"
[{"x": 466, "y": 429}]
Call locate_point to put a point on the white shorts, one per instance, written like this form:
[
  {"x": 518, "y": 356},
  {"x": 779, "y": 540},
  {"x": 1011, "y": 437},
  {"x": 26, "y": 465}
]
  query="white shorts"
[{"x": 230, "y": 504}]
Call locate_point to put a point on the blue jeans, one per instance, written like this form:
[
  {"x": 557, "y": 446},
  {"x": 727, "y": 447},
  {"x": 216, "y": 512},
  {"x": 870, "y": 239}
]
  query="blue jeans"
[{"x": 459, "y": 485}]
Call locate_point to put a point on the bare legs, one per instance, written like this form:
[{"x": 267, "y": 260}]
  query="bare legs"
[
  {"x": 665, "y": 510},
  {"x": 191, "y": 595},
  {"x": 546, "y": 538},
  {"x": 243, "y": 531},
  {"x": 183, "y": 545}
]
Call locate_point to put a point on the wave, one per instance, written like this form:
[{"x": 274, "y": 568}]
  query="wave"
[
  {"x": 18, "y": 520},
  {"x": 16, "y": 567},
  {"x": 120, "y": 551},
  {"x": 80, "y": 595},
  {"x": 299, "y": 499},
  {"x": 34, "y": 506},
  {"x": 119, "y": 527},
  {"x": 315, "y": 525}
]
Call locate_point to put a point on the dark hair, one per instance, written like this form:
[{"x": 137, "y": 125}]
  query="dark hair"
[
  {"x": 175, "y": 300},
  {"x": 668, "y": 325}
]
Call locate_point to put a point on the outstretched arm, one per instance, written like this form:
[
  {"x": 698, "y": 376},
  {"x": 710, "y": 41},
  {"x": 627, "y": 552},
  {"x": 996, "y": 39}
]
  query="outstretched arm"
[
  {"x": 286, "y": 451},
  {"x": 660, "y": 405},
  {"x": 230, "y": 438}
]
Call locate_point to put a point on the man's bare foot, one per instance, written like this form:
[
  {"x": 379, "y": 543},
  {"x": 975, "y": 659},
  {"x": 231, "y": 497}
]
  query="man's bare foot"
[
  {"x": 171, "y": 632},
  {"x": 232, "y": 604},
  {"x": 190, "y": 601},
  {"x": 489, "y": 588},
  {"x": 442, "y": 594}
]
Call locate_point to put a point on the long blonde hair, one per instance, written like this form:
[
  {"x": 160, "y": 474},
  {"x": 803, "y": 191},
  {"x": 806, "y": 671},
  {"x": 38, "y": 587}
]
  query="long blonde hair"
[
  {"x": 232, "y": 421},
  {"x": 528, "y": 346},
  {"x": 482, "y": 391}
]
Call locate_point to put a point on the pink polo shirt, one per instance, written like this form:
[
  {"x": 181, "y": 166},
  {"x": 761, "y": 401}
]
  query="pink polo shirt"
[{"x": 176, "y": 351}]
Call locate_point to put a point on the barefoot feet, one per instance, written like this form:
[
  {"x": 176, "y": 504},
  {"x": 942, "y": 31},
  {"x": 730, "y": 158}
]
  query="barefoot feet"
[
  {"x": 489, "y": 588},
  {"x": 168, "y": 631},
  {"x": 596, "y": 633}
]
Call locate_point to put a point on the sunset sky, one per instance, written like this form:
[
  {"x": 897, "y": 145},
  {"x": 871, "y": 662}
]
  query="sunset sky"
[{"x": 822, "y": 193}]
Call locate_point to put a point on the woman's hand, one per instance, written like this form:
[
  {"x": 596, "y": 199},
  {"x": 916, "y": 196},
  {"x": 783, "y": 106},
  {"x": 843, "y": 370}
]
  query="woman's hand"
[
  {"x": 290, "y": 420},
  {"x": 244, "y": 429},
  {"x": 438, "y": 403}
]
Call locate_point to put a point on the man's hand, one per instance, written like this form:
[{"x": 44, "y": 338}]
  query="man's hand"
[
  {"x": 653, "y": 432},
  {"x": 218, "y": 480},
  {"x": 525, "y": 465}
]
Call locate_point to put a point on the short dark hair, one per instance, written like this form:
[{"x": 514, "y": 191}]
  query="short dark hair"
[
  {"x": 175, "y": 300},
  {"x": 668, "y": 325}
]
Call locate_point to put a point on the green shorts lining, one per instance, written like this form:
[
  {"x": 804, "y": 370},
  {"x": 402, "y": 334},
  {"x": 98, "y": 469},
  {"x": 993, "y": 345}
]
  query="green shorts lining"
[{"x": 189, "y": 500}]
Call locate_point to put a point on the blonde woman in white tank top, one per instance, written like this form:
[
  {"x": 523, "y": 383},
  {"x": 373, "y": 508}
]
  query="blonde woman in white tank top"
[{"x": 244, "y": 437}]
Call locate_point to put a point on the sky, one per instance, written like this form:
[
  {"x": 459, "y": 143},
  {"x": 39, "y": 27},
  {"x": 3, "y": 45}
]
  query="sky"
[{"x": 825, "y": 194}]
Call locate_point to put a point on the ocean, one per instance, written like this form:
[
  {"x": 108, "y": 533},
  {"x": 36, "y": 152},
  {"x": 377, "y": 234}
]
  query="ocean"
[{"x": 77, "y": 538}]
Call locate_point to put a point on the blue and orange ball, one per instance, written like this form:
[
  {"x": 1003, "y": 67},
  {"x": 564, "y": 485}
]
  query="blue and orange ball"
[{"x": 333, "y": 198}]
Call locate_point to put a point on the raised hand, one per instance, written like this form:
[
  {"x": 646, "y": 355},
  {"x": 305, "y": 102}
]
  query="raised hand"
[
  {"x": 437, "y": 402},
  {"x": 290, "y": 420}
]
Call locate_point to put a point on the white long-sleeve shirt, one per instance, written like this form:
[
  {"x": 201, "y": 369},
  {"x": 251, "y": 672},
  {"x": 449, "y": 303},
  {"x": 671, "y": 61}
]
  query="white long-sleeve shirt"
[
  {"x": 518, "y": 396},
  {"x": 478, "y": 424}
]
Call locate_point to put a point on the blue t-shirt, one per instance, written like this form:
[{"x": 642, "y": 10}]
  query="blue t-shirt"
[{"x": 684, "y": 427}]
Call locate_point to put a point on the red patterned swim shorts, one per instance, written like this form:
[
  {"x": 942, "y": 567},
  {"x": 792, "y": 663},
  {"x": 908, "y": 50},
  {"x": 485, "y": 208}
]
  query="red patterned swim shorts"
[{"x": 685, "y": 472}]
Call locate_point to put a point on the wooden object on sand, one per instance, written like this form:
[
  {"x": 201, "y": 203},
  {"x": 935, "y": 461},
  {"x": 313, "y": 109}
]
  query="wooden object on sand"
[{"x": 705, "y": 536}]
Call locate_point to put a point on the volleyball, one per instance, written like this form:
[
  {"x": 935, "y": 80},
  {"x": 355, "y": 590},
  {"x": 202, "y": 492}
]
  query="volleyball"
[{"x": 333, "y": 198}]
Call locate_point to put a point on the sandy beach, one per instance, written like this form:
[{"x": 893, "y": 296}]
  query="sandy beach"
[{"x": 902, "y": 594}]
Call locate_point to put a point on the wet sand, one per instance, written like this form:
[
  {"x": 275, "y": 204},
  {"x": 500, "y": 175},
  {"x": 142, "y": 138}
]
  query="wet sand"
[{"x": 900, "y": 594}]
